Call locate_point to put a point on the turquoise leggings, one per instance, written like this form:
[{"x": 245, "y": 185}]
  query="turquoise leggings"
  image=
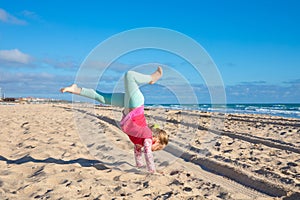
[{"x": 132, "y": 97}]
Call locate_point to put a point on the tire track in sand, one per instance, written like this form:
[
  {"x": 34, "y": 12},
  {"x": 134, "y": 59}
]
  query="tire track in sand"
[{"x": 204, "y": 168}]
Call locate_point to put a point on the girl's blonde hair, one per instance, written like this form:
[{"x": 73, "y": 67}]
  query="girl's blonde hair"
[{"x": 160, "y": 134}]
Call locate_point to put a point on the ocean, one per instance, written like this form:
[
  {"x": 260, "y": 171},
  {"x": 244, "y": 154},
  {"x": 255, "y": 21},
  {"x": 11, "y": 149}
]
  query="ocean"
[{"x": 278, "y": 109}]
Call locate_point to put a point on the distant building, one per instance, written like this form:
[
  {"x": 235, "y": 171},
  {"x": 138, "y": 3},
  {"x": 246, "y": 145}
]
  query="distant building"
[
  {"x": 28, "y": 100},
  {"x": 9, "y": 99}
]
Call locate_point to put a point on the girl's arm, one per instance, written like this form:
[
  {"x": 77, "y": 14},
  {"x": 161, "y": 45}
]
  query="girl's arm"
[
  {"x": 138, "y": 155},
  {"x": 148, "y": 155}
]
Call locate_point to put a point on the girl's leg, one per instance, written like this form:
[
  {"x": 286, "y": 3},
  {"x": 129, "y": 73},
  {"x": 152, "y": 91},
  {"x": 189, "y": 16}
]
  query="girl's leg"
[
  {"x": 115, "y": 99},
  {"x": 133, "y": 96}
]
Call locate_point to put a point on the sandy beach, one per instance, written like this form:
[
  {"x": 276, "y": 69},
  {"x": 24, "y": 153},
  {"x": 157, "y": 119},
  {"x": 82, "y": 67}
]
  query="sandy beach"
[{"x": 77, "y": 151}]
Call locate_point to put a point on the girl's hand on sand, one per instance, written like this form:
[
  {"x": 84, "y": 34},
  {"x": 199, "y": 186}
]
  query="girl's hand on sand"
[{"x": 159, "y": 172}]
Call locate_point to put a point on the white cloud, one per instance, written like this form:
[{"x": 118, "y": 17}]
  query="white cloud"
[
  {"x": 262, "y": 92},
  {"x": 28, "y": 83},
  {"x": 14, "y": 56},
  {"x": 65, "y": 64},
  {"x": 8, "y": 18},
  {"x": 30, "y": 14}
]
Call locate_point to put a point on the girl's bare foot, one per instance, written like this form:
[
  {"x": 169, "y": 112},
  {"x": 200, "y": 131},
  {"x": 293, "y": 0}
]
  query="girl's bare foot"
[
  {"x": 74, "y": 89},
  {"x": 156, "y": 75}
]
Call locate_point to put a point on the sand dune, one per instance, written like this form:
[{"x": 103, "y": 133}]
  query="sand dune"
[{"x": 77, "y": 151}]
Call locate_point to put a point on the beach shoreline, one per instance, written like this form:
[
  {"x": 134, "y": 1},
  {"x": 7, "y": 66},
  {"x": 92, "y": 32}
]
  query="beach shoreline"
[{"x": 72, "y": 151}]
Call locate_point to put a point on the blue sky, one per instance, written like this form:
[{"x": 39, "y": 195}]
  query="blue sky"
[{"x": 254, "y": 44}]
